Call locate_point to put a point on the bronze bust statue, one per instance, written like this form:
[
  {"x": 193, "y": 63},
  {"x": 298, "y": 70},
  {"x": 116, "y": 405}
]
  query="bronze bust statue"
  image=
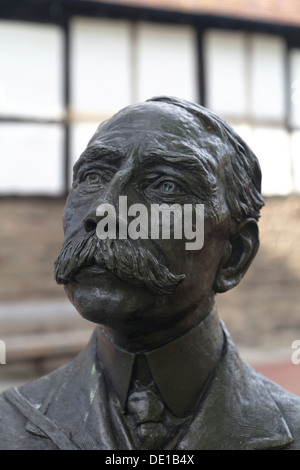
[{"x": 160, "y": 370}]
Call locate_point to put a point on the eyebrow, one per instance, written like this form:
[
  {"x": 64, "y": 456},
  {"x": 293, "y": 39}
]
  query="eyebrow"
[
  {"x": 104, "y": 152},
  {"x": 114, "y": 154},
  {"x": 176, "y": 160},
  {"x": 107, "y": 154}
]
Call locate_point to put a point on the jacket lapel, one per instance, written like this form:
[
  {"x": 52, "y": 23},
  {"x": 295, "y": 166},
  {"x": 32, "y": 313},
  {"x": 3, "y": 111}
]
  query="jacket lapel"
[
  {"x": 238, "y": 411},
  {"x": 86, "y": 418}
]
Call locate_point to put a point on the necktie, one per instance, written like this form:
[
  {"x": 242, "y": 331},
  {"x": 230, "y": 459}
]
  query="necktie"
[
  {"x": 151, "y": 424},
  {"x": 146, "y": 412}
]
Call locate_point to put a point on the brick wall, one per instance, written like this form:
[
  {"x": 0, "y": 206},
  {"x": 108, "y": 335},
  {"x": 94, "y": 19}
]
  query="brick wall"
[{"x": 273, "y": 11}]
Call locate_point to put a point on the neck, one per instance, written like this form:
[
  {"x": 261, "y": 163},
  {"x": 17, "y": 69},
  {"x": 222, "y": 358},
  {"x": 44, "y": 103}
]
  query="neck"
[
  {"x": 180, "y": 369},
  {"x": 135, "y": 341}
]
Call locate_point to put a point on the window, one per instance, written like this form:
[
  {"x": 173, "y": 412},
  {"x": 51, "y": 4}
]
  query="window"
[
  {"x": 296, "y": 160},
  {"x": 246, "y": 84},
  {"x": 271, "y": 145},
  {"x": 267, "y": 77},
  {"x": 165, "y": 61},
  {"x": 226, "y": 72},
  {"x": 245, "y": 75},
  {"x": 294, "y": 87},
  {"x": 31, "y": 71},
  {"x": 31, "y": 107},
  {"x": 100, "y": 67},
  {"x": 32, "y": 158}
]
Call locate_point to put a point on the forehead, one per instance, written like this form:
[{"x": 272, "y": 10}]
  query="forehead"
[{"x": 158, "y": 128}]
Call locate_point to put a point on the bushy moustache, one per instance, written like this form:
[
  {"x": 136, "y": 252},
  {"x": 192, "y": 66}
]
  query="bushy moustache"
[{"x": 128, "y": 260}]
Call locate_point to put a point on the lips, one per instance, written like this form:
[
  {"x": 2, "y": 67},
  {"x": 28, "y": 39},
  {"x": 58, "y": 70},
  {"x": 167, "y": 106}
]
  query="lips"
[{"x": 93, "y": 269}]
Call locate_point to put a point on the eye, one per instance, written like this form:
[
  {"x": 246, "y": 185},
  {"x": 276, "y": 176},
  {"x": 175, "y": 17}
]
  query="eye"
[
  {"x": 164, "y": 187},
  {"x": 168, "y": 187},
  {"x": 92, "y": 178}
]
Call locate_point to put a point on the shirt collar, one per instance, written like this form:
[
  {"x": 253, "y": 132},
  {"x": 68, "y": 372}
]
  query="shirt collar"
[{"x": 180, "y": 368}]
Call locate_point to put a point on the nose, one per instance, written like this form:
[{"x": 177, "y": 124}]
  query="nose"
[
  {"x": 90, "y": 222},
  {"x": 115, "y": 188},
  {"x": 103, "y": 210}
]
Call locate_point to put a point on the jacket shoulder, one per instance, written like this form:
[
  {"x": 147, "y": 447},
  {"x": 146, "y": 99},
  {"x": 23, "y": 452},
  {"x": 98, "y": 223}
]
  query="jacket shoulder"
[
  {"x": 289, "y": 405},
  {"x": 14, "y": 431}
]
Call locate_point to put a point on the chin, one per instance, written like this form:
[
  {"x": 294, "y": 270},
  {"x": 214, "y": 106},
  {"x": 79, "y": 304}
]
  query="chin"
[{"x": 113, "y": 304}]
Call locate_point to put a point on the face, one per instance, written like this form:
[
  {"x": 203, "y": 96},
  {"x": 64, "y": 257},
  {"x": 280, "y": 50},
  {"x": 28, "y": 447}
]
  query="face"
[{"x": 152, "y": 154}]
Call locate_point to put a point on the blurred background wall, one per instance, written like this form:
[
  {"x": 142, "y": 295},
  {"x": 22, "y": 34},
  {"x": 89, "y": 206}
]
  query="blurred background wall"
[{"x": 65, "y": 66}]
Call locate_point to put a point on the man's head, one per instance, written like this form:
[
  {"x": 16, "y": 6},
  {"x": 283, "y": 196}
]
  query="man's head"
[
  {"x": 238, "y": 169},
  {"x": 163, "y": 151}
]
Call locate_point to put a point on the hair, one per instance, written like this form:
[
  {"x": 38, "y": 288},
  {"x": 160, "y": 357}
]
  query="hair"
[{"x": 241, "y": 171}]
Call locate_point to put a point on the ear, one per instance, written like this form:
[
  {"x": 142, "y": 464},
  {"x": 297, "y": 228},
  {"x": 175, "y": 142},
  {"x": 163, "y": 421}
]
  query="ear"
[{"x": 241, "y": 248}]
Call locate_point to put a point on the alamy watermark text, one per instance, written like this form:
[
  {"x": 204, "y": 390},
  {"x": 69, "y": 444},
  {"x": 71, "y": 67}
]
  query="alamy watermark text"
[
  {"x": 2, "y": 352},
  {"x": 164, "y": 221},
  {"x": 296, "y": 353}
]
